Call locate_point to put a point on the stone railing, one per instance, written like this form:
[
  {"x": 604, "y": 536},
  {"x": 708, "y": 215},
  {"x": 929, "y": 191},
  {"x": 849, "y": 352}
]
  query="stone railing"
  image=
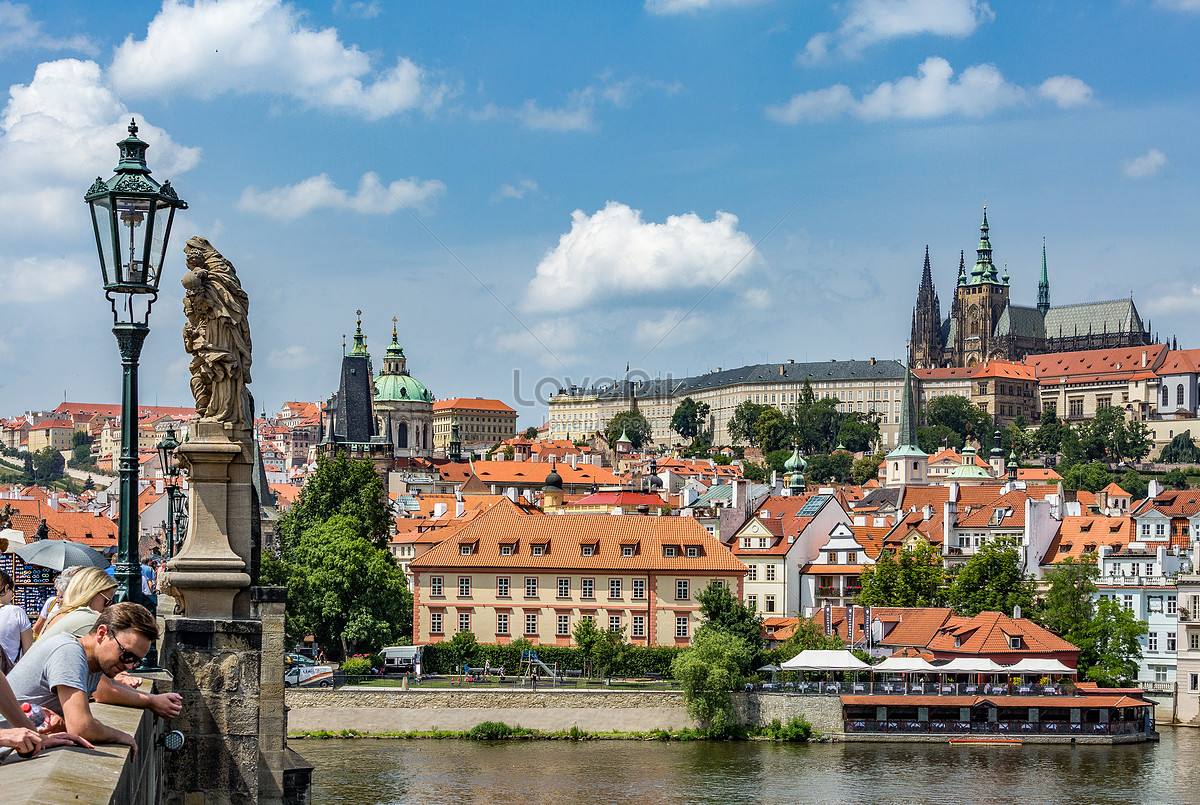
[
  {"x": 105, "y": 774},
  {"x": 1135, "y": 581}
]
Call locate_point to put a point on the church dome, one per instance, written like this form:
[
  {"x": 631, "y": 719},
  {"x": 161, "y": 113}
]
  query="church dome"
[
  {"x": 401, "y": 388},
  {"x": 554, "y": 481},
  {"x": 795, "y": 461}
]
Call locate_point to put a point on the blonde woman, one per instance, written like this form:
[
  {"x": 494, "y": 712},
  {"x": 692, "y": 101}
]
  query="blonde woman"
[
  {"x": 89, "y": 592},
  {"x": 54, "y": 603}
]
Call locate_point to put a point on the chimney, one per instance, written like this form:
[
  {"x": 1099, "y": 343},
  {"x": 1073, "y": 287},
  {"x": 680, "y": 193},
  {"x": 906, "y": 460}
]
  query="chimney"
[
  {"x": 1145, "y": 356},
  {"x": 512, "y": 494},
  {"x": 573, "y": 460},
  {"x": 736, "y": 500},
  {"x": 927, "y": 512},
  {"x": 872, "y": 361},
  {"x": 158, "y": 486},
  {"x": 439, "y": 509},
  {"x": 459, "y": 508}
]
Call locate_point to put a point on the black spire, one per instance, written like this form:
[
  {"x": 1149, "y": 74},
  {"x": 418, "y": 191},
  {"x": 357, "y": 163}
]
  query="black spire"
[{"x": 925, "y": 345}]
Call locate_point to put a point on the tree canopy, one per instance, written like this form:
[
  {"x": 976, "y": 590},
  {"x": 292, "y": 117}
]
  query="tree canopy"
[
  {"x": 689, "y": 418},
  {"x": 721, "y": 609},
  {"x": 743, "y": 424},
  {"x": 991, "y": 581},
  {"x": 835, "y": 468},
  {"x": 867, "y": 467},
  {"x": 960, "y": 415},
  {"x": 1181, "y": 450},
  {"x": 772, "y": 431},
  {"x": 1111, "y": 649},
  {"x": 708, "y": 672},
  {"x": 344, "y": 486},
  {"x": 912, "y": 578},
  {"x": 633, "y": 425},
  {"x": 1092, "y": 477}
]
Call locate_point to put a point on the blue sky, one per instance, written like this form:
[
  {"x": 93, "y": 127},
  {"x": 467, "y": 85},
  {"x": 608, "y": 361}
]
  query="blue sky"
[{"x": 547, "y": 192}]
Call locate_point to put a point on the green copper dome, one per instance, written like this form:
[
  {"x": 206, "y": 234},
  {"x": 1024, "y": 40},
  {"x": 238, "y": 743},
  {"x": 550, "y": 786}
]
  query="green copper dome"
[
  {"x": 795, "y": 461},
  {"x": 397, "y": 388}
]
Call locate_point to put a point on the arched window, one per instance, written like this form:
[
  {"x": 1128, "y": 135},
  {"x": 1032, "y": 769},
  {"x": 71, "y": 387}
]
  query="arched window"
[
  {"x": 1166, "y": 398},
  {"x": 402, "y": 435},
  {"x": 1179, "y": 395}
]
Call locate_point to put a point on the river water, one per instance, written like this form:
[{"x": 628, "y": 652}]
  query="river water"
[{"x": 459, "y": 772}]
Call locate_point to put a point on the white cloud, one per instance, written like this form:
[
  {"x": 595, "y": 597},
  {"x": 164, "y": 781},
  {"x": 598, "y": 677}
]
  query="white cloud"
[
  {"x": 1066, "y": 91},
  {"x": 934, "y": 92},
  {"x": 576, "y": 115},
  {"x": 1180, "y": 5},
  {"x": 521, "y": 189},
  {"x": 561, "y": 336},
  {"x": 1148, "y": 164},
  {"x": 373, "y": 197},
  {"x": 614, "y": 253},
  {"x": 578, "y": 112},
  {"x": 367, "y": 11},
  {"x": 1180, "y": 298},
  {"x": 19, "y": 31},
  {"x": 291, "y": 357},
  {"x": 666, "y": 7},
  {"x": 61, "y": 126},
  {"x": 262, "y": 46},
  {"x": 867, "y": 22},
  {"x": 31, "y": 280},
  {"x": 672, "y": 324}
]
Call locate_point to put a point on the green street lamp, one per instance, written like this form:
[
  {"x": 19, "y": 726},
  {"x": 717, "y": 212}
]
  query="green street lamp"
[
  {"x": 170, "y": 472},
  {"x": 131, "y": 217}
]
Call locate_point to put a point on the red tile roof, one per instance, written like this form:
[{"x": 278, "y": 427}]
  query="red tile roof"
[
  {"x": 1096, "y": 364},
  {"x": 473, "y": 404},
  {"x": 988, "y": 634}
]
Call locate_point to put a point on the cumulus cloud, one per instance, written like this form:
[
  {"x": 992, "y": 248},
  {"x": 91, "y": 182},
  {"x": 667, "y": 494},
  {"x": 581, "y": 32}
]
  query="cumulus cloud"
[
  {"x": 560, "y": 335},
  {"x": 262, "y": 46},
  {"x": 1181, "y": 297},
  {"x": 615, "y": 254},
  {"x": 977, "y": 91},
  {"x": 63, "y": 125},
  {"x": 577, "y": 113},
  {"x": 668, "y": 7},
  {"x": 672, "y": 323},
  {"x": 523, "y": 188},
  {"x": 291, "y": 357},
  {"x": 31, "y": 280},
  {"x": 19, "y": 31},
  {"x": 867, "y": 22},
  {"x": 319, "y": 192},
  {"x": 1148, "y": 164},
  {"x": 1066, "y": 91},
  {"x": 1180, "y": 5}
]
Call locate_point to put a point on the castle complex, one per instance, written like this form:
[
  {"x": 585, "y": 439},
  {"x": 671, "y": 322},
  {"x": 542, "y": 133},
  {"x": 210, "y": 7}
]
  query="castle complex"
[{"x": 984, "y": 324}]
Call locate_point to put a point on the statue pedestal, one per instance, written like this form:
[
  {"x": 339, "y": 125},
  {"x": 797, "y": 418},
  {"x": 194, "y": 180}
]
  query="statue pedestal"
[{"x": 209, "y": 572}]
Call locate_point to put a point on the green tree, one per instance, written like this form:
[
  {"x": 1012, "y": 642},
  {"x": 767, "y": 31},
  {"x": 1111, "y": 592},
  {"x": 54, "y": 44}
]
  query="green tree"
[
  {"x": 772, "y": 431},
  {"x": 530, "y": 432},
  {"x": 859, "y": 432},
  {"x": 708, "y": 672},
  {"x": 89, "y": 484},
  {"x": 721, "y": 609},
  {"x": 991, "y": 581},
  {"x": 689, "y": 418},
  {"x": 776, "y": 459},
  {"x": 1176, "y": 478},
  {"x": 1134, "y": 484},
  {"x": 1133, "y": 440},
  {"x": 1015, "y": 438},
  {"x": 742, "y": 425},
  {"x": 1113, "y": 648},
  {"x": 1067, "y": 607},
  {"x": 807, "y": 635},
  {"x": 815, "y": 423},
  {"x": 939, "y": 437},
  {"x": 609, "y": 651},
  {"x": 912, "y": 578},
  {"x": 755, "y": 472},
  {"x": 837, "y": 468},
  {"x": 958, "y": 414},
  {"x": 1048, "y": 437},
  {"x": 867, "y": 468},
  {"x": 463, "y": 648},
  {"x": 633, "y": 425},
  {"x": 342, "y": 589},
  {"x": 340, "y": 486},
  {"x": 1181, "y": 450},
  {"x": 1093, "y": 477},
  {"x": 29, "y": 474},
  {"x": 587, "y": 635},
  {"x": 48, "y": 466},
  {"x": 1072, "y": 449}
]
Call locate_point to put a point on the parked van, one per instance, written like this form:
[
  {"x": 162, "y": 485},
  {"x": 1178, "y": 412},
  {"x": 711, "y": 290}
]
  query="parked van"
[
  {"x": 307, "y": 675},
  {"x": 402, "y": 660}
]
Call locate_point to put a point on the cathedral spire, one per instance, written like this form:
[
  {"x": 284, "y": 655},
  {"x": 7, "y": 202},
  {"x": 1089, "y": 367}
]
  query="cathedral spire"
[
  {"x": 360, "y": 343},
  {"x": 1043, "y": 304},
  {"x": 985, "y": 269},
  {"x": 926, "y": 274},
  {"x": 962, "y": 268}
]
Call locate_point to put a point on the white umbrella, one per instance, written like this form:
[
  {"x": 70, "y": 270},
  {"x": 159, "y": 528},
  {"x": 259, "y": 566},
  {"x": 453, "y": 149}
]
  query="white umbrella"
[
  {"x": 1033, "y": 665},
  {"x": 905, "y": 665},
  {"x": 971, "y": 665},
  {"x": 824, "y": 660},
  {"x": 10, "y": 537}
]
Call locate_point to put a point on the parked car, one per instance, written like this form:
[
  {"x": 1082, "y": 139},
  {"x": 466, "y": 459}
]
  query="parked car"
[
  {"x": 292, "y": 658},
  {"x": 308, "y": 676}
]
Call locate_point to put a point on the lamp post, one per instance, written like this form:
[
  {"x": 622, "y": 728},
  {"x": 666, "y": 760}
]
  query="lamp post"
[
  {"x": 131, "y": 217},
  {"x": 166, "y": 458}
]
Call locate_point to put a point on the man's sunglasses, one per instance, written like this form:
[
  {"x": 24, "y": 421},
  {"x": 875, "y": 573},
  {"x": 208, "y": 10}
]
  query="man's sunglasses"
[{"x": 127, "y": 657}]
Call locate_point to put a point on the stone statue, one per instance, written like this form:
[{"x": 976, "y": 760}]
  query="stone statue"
[
  {"x": 217, "y": 336},
  {"x": 6, "y": 517}
]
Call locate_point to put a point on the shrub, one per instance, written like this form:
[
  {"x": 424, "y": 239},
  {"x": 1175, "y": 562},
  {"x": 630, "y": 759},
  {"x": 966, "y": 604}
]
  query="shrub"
[
  {"x": 357, "y": 666},
  {"x": 491, "y": 731}
]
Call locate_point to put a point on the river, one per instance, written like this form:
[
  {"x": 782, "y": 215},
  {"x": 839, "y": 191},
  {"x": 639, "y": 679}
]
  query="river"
[{"x": 459, "y": 772}]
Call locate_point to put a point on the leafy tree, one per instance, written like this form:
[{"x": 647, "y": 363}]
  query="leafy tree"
[
  {"x": 79, "y": 437},
  {"x": 1112, "y": 648},
  {"x": 753, "y": 471},
  {"x": 342, "y": 589},
  {"x": 81, "y": 457},
  {"x": 609, "y": 651},
  {"x": 1133, "y": 441},
  {"x": 867, "y": 468},
  {"x": 721, "y": 609},
  {"x": 340, "y": 486},
  {"x": 771, "y": 431},
  {"x": 815, "y": 423},
  {"x": 28, "y": 472},
  {"x": 991, "y": 581},
  {"x": 837, "y": 468},
  {"x": 1134, "y": 484},
  {"x": 708, "y": 672},
  {"x": 1073, "y": 450},
  {"x": 958, "y": 414},
  {"x": 939, "y": 437},
  {"x": 48, "y": 466},
  {"x": 632, "y": 424},
  {"x": 463, "y": 647},
  {"x": 1016, "y": 439},
  {"x": 1093, "y": 477},
  {"x": 776, "y": 459},
  {"x": 742, "y": 425},
  {"x": 807, "y": 635},
  {"x": 913, "y": 578},
  {"x": 859, "y": 431},
  {"x": 586, "y": 635},
  {"x": 89, "y": 484},
  {"x": 530, "y": 432},
  {"x": 689, "y": 418},
  {"x": 1067, "y": 607},
  {"x": 1181, "y": 450},
  {"x": 1176, "y": 478},
  {"x": 1048, "y": 437}
]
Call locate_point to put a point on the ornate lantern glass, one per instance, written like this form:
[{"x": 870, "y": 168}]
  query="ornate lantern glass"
[{"x": 166, "y": 455}]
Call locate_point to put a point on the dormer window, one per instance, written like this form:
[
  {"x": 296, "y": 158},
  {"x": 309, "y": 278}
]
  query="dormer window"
[
  {"x": 851, "y": 558},
  {"x": 587, "y": 550},
  {"x": 669, "y": 551},
  {"x": 506, "y": 550},
  {"x": 626, "y": 551},
  {"x": 1014, "y": 641},
  {"x": 464, "y": 550},
  {"x": 537, "y": 550},
  {"x": 762, "y": 542},
  {"x": 833, "y": 557},
  {"x": 692, "y": 552},
  {"x": 745, "y": 542},
  {"x": 957, "y": 641}
]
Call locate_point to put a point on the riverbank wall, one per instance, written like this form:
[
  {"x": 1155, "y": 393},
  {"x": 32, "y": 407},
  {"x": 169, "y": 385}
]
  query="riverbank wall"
[{"x": 380, "y": 710}]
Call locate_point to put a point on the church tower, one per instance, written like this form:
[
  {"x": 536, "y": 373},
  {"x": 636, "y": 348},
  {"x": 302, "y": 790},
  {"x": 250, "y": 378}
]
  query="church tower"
[
  {"x": 908, "y": 463},
  {"x": 981, "y": 298},
  {"x": 1044, "y": 285},
  {"x": 925, "y": 344}
]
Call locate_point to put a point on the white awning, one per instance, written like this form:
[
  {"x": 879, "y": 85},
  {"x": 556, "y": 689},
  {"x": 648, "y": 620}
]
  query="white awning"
[
  {"x": 904, "y": 665},
  {"x": 824, "y": 660},
  {"x": 970, "y": 665},
  {"x": 1037, "y": 665}
]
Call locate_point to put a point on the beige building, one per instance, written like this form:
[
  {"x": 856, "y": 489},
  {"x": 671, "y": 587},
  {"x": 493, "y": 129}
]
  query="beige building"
[
  {"x": 859, "y": 386},
  {"x": 478, "y": 420},
  {"x": 56, "y": 433},
  {"x": 508, "y": 575},
  {"x": 1077, "y": 383}
]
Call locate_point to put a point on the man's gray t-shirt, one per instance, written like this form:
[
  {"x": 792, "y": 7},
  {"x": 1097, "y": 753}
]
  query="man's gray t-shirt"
[{"x": 52, "y": 661}]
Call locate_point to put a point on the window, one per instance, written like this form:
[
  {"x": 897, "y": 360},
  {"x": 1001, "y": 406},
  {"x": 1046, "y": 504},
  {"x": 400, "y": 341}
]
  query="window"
[
  {"x": 1172, "y": 605},
  {"x": 1075, "y": 407},
  {"x": 681, "y": 590},
  {"x": 1193, "y": 682},
  {"x": 669, "y": 551},
  {"x": 692, "y": 552},
  {"x": 531, "y": 623},
  {"x": 502, "y": 587},
  {"x": 501, "y": 623},
  {"x": 770, "y": 603},
  {"x": 770, "y": 572},
  {"x": 464, "y": 585},
  {"x": 752, "y": 602},
  {"x": 1160, "y": 530},
  {"x": 1179, "y": 395},
  {"x": 1171, "y": 641},
  {"x": 464, "y": 621},
  {"x": 1160, "y": 673},
  {"x": 833, "y": 557},
  {"x": 531, "y": 587},
  {"x": 588, "y": 588},
  {"x": 1128, "y": 602},
  {"x": 639, "y": 626},
  {"x": 1194, "y": 641},
  {"x": 1104, "y": 401},
  {"x": 626, "y": 551},
  {"x": 587, "y": 550},
  {"x": 564, "y": 588},
  {"x": 506, "y": 550},
  {"x": 537, "y": 550},
  {"x": 681, "y": 626},
  {"x": 852, "y": 558},
  {"x": 1152, "y": 641},
  {"x": 762, "y": 542},
  {"x": 464, "y": 550},
  {"x": 435, "y": 586},
  {"x": 614, "y": 588},
  {"x": 1014, "y": 641},
  {"x": 1145, "y": 529},
  {"x": 614, "y": 623},
  {"x": 435, "y": 623},
  {"x": 752, "y": 573},
  {"x": 564, "y": 624}
]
